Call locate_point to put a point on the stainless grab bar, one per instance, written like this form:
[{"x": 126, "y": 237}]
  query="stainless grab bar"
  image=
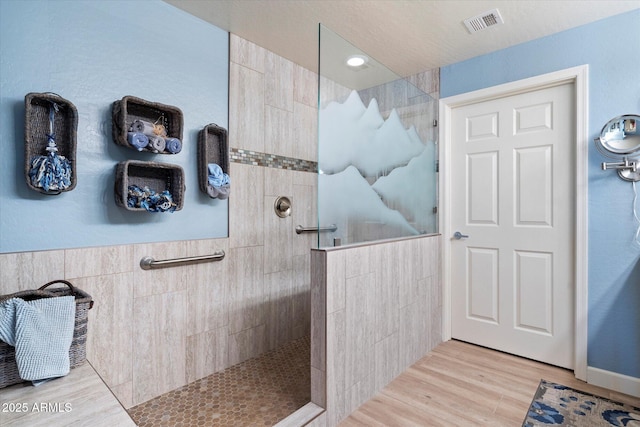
[
  {"x": 148, "y": 263},
  {"x": 300, "y": 229}
]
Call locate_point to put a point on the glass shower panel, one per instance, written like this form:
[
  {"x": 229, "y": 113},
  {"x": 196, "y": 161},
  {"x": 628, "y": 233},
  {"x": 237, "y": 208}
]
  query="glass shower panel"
[{"x": 377, "y": 150}]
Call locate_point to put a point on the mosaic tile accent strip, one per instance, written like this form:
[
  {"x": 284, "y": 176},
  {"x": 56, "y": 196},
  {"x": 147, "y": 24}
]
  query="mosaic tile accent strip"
[
  {"x": 258, "y": 392},
  {"x": 255, "y": 158}
]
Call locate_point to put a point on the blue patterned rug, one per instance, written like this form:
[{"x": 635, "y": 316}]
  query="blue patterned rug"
[{"x": 555, "y": 404}]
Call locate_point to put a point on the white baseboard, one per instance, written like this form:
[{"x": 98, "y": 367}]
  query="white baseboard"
[{"x": 613, "y": 381}]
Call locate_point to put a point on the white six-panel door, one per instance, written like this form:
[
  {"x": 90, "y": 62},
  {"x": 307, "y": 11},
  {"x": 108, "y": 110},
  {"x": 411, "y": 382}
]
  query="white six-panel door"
[{"x": 512, "y": 194}]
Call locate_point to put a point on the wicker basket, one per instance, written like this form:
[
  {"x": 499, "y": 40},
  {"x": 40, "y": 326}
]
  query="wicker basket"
[
  {"x": 157, "y": 176},
  {"x": 36, "y": 128},
  {"x": 77, "y": 352},
  {"x": 213, "y": 147},
  {"x": 130, "y": 108}
]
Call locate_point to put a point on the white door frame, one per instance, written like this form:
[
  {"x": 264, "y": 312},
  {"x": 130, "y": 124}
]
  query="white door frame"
[{"x": 580, "y": 77}]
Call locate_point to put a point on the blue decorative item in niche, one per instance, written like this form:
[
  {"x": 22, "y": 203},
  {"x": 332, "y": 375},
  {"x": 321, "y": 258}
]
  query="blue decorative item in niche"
[
  {"x": 149, "y": 186},
  {"x": 147, "y": 126},
  {"x": 50, "y": 139},
  {"x": 213, "y": 161}
]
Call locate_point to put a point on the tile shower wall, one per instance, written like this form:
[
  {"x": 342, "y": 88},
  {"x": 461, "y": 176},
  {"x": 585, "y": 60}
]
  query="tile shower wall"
[
  {"x": 376, "y": 309},
  {"x": 153, "y": 331},
  {"x": 273, "y": 114}
]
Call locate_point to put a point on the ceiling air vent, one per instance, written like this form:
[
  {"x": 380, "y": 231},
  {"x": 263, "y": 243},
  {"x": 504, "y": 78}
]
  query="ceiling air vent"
[{"x": 484, "y": 20}]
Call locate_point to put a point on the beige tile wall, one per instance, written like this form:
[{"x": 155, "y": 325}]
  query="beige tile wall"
[
  {"x": 270, "y": 290},
  {"x": 153, "y": 331},
  {"x": 376, "y": 309}
]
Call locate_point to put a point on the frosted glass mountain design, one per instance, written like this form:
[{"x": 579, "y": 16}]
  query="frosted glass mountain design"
[
  {"x": 351, "y": 134},
  {"x": 377, "y": 177},
  {"x": 412, "y": 189},
  {"x": 347, "y": 197}
]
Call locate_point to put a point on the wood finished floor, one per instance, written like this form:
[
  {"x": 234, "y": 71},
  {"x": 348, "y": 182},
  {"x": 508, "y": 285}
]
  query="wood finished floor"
[{"x": 460, "y": 384}]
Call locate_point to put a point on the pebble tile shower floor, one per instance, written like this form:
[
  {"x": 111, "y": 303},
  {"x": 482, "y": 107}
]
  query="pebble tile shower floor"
[{"x": 257, "y": 392}]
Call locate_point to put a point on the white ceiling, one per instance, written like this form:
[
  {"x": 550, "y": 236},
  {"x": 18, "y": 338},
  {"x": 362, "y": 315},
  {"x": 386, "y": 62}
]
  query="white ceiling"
[{"x": 408, "y": 36}]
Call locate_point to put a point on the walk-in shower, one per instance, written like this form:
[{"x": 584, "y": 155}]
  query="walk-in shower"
[{"x": 376, "y": 180}]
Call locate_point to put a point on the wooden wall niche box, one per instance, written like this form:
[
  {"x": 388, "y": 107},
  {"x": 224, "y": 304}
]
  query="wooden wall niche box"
[
  {"x": 157, "y": 176},
  {"x": 213, "y": 147},
  {"x": 48, "y": 114},
  {"x": 129, "y": 109}
]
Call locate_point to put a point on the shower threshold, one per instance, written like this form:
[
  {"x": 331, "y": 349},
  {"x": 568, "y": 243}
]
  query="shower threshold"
[{"x": 257, "y": 392}]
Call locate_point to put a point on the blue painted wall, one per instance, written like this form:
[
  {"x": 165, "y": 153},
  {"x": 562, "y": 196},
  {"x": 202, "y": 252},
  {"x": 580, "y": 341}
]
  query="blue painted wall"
[
  {"x": 610, "y": 47},
  {"x": 93, "y": 53}
]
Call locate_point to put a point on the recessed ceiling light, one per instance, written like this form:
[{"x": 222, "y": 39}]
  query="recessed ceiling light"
[{"x": 357, "y": 60}]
